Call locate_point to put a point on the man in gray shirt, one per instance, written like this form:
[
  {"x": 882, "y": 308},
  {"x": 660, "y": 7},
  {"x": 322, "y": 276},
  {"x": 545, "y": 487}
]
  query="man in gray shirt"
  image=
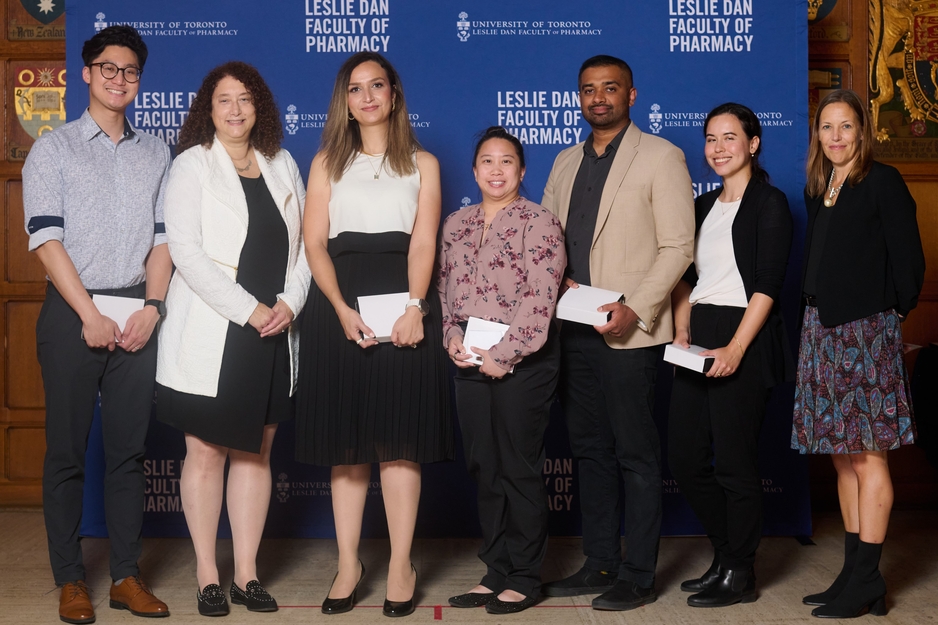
[{"x": 93, "y": 192}]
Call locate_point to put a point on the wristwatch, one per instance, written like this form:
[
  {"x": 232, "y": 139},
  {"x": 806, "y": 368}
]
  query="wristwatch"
[
  {"x": 421, "y": 305},
  {"x": 158, "y": 304}
]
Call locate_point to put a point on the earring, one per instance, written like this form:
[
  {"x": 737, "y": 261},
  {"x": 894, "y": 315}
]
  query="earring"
[
  {"x": 752, "y": 154},
  {"x": 351, "y": 117},
  {"x": 393, "y": 104}
]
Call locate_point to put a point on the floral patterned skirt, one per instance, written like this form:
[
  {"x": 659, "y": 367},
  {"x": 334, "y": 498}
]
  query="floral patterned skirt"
[{"x": 852, "y": 391}]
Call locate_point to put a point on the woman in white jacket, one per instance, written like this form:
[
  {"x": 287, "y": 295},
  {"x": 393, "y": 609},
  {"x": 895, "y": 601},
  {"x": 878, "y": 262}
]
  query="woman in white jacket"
[{"x": 226, "y": 366}]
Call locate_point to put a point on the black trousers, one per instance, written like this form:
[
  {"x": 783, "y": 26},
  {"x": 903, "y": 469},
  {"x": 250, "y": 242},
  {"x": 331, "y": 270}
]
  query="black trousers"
[
  {"x": 713, "y": 440},
  {"x": 73, "y": 374},
  {"x": 608, "y": 397},
  {"x": 503, "y": 423}
]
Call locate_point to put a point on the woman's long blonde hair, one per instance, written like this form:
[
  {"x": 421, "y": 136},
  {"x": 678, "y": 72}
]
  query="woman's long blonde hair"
[{"x": 341, "y": 137}]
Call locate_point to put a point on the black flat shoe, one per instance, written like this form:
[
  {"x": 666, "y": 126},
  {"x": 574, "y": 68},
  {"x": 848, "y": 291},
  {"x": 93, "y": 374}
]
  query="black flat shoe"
[
  {"x": 472, "y": 599},
  {"x": 212, "y": 601},
  {"x": 255, "y": 598},
  {"x": 401, "y": 608},
  {"x": 345, "y": 604},
  {"x": 497, "y": 606}
]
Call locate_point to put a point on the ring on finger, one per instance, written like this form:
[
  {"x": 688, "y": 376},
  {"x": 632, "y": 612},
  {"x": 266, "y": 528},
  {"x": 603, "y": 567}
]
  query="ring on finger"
[{"x": 359, "y": 341}]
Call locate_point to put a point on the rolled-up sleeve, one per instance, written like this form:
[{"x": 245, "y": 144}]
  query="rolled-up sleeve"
[{"x": 43, "y": 200}]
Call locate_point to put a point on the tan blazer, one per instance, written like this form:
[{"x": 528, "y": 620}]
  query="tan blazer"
[{"x": 644, "y": 238}]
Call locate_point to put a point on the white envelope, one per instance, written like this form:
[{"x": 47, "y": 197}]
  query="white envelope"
[
  {"x": 482, "y": 334},
  {"x": 688, "y": 357},
  {"x": 379, "y": 312},
  {"x": 580, "y": 305},
  {"x": 117, "y": 308}
]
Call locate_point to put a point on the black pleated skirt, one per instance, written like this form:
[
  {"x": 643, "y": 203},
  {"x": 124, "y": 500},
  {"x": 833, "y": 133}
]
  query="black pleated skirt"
[{"x": 378, "y": 404}]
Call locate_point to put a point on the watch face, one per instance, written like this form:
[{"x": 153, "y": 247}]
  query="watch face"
[{"x": 424, "y": 307}]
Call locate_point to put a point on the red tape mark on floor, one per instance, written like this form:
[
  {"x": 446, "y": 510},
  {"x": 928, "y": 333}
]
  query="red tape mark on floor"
[{"x": 437, "y": 613}]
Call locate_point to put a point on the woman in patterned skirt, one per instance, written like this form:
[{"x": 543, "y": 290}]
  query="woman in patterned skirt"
[{"x": 863, "y": 271}]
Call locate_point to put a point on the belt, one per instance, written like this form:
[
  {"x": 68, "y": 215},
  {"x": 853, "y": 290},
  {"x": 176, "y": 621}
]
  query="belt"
[{"x": 810, "y": 300}]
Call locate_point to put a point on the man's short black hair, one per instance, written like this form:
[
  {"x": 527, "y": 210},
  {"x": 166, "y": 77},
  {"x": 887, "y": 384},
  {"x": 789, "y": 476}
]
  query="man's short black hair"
[
  {"x": 126, "y": 36},
  {"x": 604, "y": 60}
]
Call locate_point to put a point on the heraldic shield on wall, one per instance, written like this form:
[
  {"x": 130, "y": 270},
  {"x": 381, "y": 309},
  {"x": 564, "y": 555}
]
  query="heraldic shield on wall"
[
  {"x": 39, "y": 99},
  {"x": 36, "y": 20},
  {"x": 904, "y": 78}
]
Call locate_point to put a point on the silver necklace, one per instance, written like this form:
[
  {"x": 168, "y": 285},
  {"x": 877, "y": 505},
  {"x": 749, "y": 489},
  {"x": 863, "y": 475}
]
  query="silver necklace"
[{"x": 831, "y": 191}]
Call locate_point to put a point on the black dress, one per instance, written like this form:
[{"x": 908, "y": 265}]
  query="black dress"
[
  {"x": 383, "y": 403},
  {"x": 254, "y": 381}
]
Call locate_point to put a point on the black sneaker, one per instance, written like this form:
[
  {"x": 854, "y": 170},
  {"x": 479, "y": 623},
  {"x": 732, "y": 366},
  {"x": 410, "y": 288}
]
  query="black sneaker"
[
  {"x": 254, "y": 597},
  {"x": 212, "y": 601},
  {"x": 583, "y": 582}
]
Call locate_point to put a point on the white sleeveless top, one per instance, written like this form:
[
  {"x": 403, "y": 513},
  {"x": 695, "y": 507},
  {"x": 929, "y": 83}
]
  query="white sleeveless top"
[{"x": 359, "y": 203}]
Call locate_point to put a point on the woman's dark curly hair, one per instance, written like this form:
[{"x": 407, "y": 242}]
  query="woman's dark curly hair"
[{"x": 199, "y": 129}]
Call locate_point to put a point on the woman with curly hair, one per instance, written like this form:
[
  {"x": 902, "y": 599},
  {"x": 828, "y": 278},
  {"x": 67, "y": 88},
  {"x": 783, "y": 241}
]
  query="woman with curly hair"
[{"x": 225, "y": 373}]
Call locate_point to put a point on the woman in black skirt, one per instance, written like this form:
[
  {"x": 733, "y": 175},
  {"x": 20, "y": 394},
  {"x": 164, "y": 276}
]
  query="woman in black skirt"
[
  {"x": 864, "y": 268},
  {"x": 372, "y": 215},
  {"x": 728, "y": 303},
  {"x": 225, "y": 371}
]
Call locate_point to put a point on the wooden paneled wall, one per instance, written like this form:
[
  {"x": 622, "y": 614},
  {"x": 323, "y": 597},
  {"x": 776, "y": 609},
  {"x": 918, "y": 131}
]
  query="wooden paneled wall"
[{"x": 25, "y": 44}]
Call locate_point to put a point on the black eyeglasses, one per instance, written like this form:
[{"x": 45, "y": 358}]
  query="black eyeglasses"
[{"x": 109, "y": 71}]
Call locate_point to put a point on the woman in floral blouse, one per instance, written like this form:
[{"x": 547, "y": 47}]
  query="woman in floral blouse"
[{"x": 503, "y": 261}]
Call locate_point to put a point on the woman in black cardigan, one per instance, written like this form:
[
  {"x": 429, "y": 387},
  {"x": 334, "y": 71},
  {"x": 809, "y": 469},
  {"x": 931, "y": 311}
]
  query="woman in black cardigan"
[
  {"x": 864, "y": 268},
  {"x": 727, "y": 302}
]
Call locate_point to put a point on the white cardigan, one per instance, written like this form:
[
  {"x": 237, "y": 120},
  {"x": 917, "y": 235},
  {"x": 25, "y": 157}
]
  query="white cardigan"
[{"x": 206, "y": 218}]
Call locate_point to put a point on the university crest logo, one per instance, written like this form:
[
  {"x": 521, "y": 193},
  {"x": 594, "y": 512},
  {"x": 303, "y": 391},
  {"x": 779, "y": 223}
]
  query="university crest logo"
[
  {"x": 462, "y": 27},
  {"x": 46, "y": 11},
  {"x": 39, "y": 95}
]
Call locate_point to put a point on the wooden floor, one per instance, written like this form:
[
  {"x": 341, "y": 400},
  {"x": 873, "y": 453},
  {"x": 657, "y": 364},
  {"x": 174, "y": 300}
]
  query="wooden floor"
[{"x": 298, "y": 573}]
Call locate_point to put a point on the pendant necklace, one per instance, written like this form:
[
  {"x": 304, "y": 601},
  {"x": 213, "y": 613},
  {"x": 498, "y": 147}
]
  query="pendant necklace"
[
  {"x": 380, "y": 167},
  {"x": 245, "y": 168},
  {"x": 831, "y": 191}
]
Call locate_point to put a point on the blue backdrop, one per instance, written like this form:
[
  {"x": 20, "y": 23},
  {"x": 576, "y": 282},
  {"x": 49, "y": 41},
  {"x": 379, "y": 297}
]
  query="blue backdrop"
[{"x": 466, "y": 66}]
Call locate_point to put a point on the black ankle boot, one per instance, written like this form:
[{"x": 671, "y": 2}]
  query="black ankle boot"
[
  {"x": 708, "y": 579},
  {"x": 851, "y": 540},
  {"x": 731, "y": 587},
  {"x": 865, "y": 590}
]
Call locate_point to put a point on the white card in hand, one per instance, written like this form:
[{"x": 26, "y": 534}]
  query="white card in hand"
[
  {"x": 379, "y": 312},
  {"x": 482, "y": 334},
  {"x": 117, "y": 308},
  {"x": 580, "y": 305}
]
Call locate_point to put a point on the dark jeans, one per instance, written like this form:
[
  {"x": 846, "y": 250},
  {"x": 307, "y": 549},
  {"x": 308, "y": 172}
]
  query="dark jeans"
[
  {"x": 713, "y": 440},
  {"x": 608, "y": 398},
  {"x": 73, "y": 374},
  {"x": 503, "y": 423}
]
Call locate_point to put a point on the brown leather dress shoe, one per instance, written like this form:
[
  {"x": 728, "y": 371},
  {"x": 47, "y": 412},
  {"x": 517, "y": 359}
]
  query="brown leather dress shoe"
[
  {"x": 75, "y": 603},
  {"x": 132, "y": 594}
]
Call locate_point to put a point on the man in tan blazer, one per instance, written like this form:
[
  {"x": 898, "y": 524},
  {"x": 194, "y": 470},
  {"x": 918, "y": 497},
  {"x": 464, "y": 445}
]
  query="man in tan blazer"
[{"x": 626, "y": 202}]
